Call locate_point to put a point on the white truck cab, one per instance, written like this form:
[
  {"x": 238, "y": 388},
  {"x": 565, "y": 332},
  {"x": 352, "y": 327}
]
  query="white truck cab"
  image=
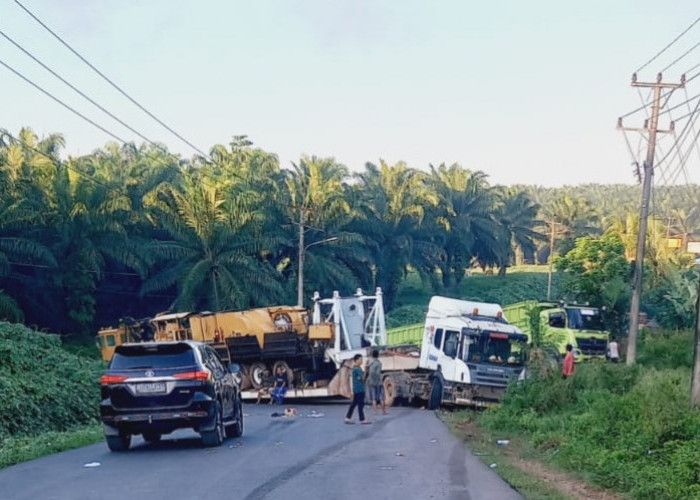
[{"x": 471, "y": 343}]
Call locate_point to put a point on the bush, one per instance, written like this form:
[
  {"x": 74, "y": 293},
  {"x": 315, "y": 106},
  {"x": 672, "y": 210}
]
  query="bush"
[
  {"x": 42, "y": 386},
  {"x": 667, "y": 349},
  {"x": 624, "y": 428},
  {"x": 406, "y": 315}
]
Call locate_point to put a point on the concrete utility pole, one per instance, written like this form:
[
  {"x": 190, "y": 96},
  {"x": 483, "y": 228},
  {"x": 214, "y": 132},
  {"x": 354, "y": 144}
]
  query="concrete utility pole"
[
  {"x": 695, "y": 380},
  {"x": 553, "y": 224},
  {"x": 302, "y": 251},
  {"x": 651, "y": 126}
]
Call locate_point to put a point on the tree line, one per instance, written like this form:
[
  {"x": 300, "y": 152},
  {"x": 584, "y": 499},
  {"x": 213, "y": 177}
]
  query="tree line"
[{"x": 134, "y": 229}]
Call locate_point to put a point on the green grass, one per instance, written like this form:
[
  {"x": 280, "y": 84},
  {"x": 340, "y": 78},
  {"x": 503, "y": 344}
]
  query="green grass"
[
  {"x": 17, "y": 449},
  {"x": 627, "y": 429},
  {"x": 481, "y": 444}
]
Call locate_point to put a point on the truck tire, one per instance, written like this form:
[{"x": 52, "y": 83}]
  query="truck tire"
[
  {"x": 257, "y": 371},
  {"x": 151, "y": 437},
  {"x": 435, "y": 394},
  {"x": 389, "y": 390},
  {"x": 215, "y": 437},
  {"x": 119, "y": 443},
  {"x": 235, "y": 430}
]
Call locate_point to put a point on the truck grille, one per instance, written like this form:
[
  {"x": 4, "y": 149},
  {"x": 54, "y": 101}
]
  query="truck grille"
[
  {"x": 496, "y": 376},
  {"x": 592, "y": 346}
]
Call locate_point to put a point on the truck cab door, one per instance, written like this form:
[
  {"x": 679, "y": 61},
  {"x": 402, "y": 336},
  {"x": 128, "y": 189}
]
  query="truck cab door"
[
  {"x": 449, "y": 357},
  {"x": 555, "y": 331}
]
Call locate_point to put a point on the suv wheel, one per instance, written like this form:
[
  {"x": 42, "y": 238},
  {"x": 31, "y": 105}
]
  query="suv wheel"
[
  {"x": 151, "y": 437},
  {"x": 119, "y": 443},
  {"x": 215, "y": 437},
  {"x": 236, "y": 428}
]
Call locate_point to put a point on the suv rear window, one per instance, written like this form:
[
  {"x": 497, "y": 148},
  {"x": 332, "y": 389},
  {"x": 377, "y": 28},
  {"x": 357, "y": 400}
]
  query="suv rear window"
[{"x": 152, "y": 356}]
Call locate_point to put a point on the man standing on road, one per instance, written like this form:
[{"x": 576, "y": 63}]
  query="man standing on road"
[
  {"x": 614, "y": 351},
  {"x": 358, "y": 392},
  {"x": 568, "y": 366},
  {"x": 374, "y": 383}
]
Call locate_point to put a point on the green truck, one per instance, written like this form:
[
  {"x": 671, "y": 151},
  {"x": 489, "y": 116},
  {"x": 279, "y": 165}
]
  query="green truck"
[{"x": 561, "y": 323}]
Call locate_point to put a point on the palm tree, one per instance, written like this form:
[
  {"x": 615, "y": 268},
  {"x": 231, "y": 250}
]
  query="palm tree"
[
  {"x": 517, "y": 217},
  {"x": 394, "y": 201},
  {"x": 465, "y": 217},
  {"x": 213, "y": 255}
]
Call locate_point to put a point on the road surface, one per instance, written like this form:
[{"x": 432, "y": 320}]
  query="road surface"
[{"x": 408, "y": 454}]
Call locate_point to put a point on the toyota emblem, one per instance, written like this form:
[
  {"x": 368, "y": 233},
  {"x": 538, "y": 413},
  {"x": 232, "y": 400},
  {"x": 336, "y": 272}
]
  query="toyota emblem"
[{"x": 150, "y": 373}]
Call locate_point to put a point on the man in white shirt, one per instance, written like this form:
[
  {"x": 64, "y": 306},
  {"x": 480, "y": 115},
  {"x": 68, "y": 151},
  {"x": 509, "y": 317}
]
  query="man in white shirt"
[{"x": 614, "y": 350}]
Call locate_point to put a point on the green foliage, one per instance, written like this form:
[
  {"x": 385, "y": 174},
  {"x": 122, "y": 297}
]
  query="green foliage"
[
  {"x": 624, "y": 428},
  {"x": 17, "y": 449},
  {"x": 406, "y": 315},
  {"x": 42, "y": 386},
  {"x": 667, "y": 349}
]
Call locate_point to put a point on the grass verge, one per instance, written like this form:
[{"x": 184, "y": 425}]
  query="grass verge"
[
  {"x": 503, "y": 461},
  {"x": 17, "y": 449}
]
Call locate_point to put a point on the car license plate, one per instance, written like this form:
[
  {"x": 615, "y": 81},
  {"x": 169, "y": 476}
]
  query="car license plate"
[{"x": 151, "y": 388}]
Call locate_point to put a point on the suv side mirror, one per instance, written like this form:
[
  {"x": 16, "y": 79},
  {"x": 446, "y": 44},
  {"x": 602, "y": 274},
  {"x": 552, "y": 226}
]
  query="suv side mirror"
[{"x": 234, "y": 368}]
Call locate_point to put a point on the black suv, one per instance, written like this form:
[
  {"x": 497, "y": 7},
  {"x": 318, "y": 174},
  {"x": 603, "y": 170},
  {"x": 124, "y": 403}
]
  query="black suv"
[{"x": 154, "y": 388}]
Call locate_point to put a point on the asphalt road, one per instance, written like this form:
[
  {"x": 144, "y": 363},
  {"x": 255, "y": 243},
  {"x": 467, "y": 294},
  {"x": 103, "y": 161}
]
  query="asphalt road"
[{"x": 408, "y": 454}]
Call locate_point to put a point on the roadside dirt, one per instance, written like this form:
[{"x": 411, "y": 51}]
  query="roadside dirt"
[{"x": 561, "y": 481}]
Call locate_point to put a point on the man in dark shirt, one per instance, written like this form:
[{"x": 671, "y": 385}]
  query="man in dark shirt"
[
  {"x": 281, "y": 384},
  {"x": 358, "y": 392}
]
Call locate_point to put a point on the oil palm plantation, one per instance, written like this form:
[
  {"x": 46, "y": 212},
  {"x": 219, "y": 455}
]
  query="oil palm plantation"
[
  {"x": 394, "y": 201},
  {"x": 213, "y": 252}
]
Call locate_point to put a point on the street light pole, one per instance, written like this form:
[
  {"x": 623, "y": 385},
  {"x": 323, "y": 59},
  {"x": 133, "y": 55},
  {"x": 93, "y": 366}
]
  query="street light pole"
[{"x": 302, "y": 260}]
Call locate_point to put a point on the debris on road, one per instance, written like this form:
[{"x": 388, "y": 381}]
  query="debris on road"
[
  {"x": 386, "y": 467},
  {"x": 92, "y": 465},
  {"x": 493, "y": 466},
  {"x": 237, "y": 445},
  {"x": 315, "y": 414},
  {"x": 503, "y": 442},
  {"x": 399, "y": 454},
  {"x": 433, "y": 440},
  {"x": 279, "y": 443}
]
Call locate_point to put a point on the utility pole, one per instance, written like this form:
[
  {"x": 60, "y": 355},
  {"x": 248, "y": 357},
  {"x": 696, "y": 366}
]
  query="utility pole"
[
  {"x": 695, "y": 379},
  {"x": 651, "y": 126},
  {"x": 552, "y": 234},
  {"x": 302, "y": 251}
]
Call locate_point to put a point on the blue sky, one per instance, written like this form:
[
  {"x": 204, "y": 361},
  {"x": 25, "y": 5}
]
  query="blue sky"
[{"x": 528, "y": 92}]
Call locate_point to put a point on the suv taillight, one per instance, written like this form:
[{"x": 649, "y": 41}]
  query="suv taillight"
[
  {"x": 112, "y": 379},
  {"x": 198, "y": 375}
]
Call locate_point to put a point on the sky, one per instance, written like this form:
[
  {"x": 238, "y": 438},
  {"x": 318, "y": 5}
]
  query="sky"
[{"x": 528, "y": 92}]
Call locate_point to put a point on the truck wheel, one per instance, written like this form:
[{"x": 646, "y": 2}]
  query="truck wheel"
[
  {"x": 435, "y": 394},
  {"x": 215, "y": 437},
  {"x": 151, "y": 437},
  {"x": 119, "y": 443},
  {"x": 256, "y": 374},
  {"x": 236, "y": 428},
  {"x": 389, "y": 390}
]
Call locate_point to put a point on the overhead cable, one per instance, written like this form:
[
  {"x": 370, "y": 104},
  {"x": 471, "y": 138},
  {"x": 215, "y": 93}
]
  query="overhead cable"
[
  {"x": 108, "y": 80},
  {"x": 658, "y": 53}
]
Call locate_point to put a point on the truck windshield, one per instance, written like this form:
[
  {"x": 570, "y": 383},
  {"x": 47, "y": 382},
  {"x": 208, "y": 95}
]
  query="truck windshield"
[
  {"x": 485, "y": 349},
  {"x": 585, "y": 319}
]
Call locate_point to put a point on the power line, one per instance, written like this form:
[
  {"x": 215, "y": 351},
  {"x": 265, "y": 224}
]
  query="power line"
[
  {"x": 81, "y": 93},
  {"x": 114, "y": 85},
  {"x": 59, "y": 101},
  {"x": 681, "y": 56},
  {"x": 662, "y": 50}
]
